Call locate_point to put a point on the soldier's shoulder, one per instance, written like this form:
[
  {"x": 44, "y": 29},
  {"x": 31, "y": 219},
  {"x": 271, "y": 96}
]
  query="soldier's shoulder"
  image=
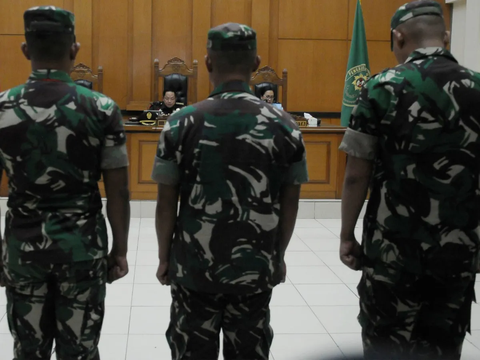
[
  {"x": 10, "y": 94},
  {"x": 82, "y": 90},
  {"x": 387, "y": 76},
  {"x": 381, "y": 76},
  {"x": 474, "y": 76},
  {"x": 185, "y": 113},
  {"x": 285, "y": 119},
  {"x": 102, "y": 101},
  {"x": 283, "y": 115}
]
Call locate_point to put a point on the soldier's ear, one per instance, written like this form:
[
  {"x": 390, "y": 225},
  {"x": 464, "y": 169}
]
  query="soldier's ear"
[
  {"x": 74, "y": 49},
  {"x": 256, "y": 65},
  {"x": 446, "y": 38},
  {"x": 208, "y": 63},
  {"x": 398, "y": 38},
  {"x": 25, "y": 51}
]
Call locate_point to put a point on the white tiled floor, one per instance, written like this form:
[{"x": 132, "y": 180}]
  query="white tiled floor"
[{"x": 313, "y": 313}]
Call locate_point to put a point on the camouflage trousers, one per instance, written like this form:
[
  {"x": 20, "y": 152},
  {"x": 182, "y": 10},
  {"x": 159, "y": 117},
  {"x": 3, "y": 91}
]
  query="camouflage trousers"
[
  {"x": 417, "y": 317},
  {"x": 197, "y": 318},
  {"x": 61, "y": 302}
]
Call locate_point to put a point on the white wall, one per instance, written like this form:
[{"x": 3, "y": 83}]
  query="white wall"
[{"x": 466, "y": 32}]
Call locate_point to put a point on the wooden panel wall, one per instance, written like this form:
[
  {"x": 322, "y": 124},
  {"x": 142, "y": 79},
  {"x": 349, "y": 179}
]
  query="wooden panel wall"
[{"x": 311, "y": 38}]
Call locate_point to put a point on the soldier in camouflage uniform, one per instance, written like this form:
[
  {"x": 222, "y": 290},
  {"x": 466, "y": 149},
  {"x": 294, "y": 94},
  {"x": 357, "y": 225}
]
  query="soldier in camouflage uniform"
[
  {"x": 56, "y": 139},
  {"x": 237, "y": 164},
  {"x": 414, "y": 135}
]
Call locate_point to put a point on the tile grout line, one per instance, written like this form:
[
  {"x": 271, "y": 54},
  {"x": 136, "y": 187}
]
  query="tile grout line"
[
  {"x": 321, "y": 323},
  {"x": 328, "y": 266},
  {"x": 310, "y": 307},
  {"x": 133, "y": 291},
  {"x": 356, "y": 295}
]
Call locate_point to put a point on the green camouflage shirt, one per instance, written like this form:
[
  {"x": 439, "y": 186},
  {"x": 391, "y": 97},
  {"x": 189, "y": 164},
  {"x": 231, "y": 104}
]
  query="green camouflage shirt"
[
  {"x": 230, "y": 154},
  {"x": 55, "y": 137},
  {"x": 420, "y": 124}
]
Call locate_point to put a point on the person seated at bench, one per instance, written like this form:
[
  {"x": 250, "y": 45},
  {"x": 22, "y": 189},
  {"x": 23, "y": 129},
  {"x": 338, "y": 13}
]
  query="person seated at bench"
[
  {"x": 268, "y": 96},
  {"x": 169, "y": 104}
]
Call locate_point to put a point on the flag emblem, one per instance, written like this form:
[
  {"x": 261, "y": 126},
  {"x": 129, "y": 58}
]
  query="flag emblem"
[
  {"x": 359, "y": 81},
  {"x": 358, "y": 68}
]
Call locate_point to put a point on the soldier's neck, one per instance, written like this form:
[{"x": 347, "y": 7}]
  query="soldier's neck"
[
  {"x": 429, "y": 44},
  {"x": 424, "y": 44},
  {"x": 219, "y": 79},
  {"x": 61, "y": 66},
  {"x": 411, "y": 47}
]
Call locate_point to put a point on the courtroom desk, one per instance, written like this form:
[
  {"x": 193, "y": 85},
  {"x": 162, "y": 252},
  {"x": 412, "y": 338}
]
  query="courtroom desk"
[{"x": 326, "y": 165}]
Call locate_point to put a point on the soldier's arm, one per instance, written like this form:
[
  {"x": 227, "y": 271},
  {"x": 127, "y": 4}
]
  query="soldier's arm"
[
  {"x": 361, "y": 145},
  {"x": 118, "y": 207},
  {"x": 114, "y": 164},
  {"x": 361, "y": 149},
  {"x": 166, "y": 174},
  {"x": 357, "y": 179},
  {"x": 289, "y": 197},
  {"x": 165, "y": 218},
  {"x": 297, "y": 174},
  {"x": 355, "y": 187}
]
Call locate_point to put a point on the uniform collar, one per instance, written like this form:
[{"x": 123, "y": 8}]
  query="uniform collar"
[
  {"x": 232, "y": 86},
  {"x": 50, "y": 75},
  {"x": 424, "y": 53}
]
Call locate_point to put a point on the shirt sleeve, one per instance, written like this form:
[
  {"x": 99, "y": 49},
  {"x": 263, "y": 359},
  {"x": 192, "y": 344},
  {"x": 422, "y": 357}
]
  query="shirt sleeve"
[
  {"x": 114, "y": 151},
  {"x": 165, "y": 167},
  {"x": 297, "y": 172},
  {"x": 361, "y": 137}
]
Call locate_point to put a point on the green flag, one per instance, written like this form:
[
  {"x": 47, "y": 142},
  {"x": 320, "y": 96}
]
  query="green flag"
[{"x": 358, "y": 69}]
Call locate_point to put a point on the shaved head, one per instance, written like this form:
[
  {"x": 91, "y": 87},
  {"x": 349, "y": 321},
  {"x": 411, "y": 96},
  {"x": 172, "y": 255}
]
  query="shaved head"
[
  {"x": 419, "y": 32},
  {"x": 227, "y": 62},
  {"x": 424, "y": 28}
]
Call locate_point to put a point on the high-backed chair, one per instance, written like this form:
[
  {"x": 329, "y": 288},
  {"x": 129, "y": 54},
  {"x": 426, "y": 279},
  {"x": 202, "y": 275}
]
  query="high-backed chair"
[
  {"x": 267, "y": 78},
  {"x": 83, "y": 75},
  {"x": 177, "y": 77}
]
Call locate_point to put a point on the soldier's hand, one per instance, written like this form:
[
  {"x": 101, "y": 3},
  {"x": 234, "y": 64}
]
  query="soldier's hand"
[
  {"x": 351, "y": 253},
  {"x": 117, "y": 267},
  {"x": 162, "y": 273}
]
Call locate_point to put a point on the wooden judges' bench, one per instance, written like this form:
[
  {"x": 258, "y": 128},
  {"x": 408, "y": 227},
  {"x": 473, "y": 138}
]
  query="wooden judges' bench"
[{"x": 326, "y": 165}]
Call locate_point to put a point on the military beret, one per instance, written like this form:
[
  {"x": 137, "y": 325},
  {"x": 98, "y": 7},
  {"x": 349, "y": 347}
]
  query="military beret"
[
  {"x": 414, "y": 9},
  {"x": 232, "y": 37},
  {"x": 49, "y": 19}
]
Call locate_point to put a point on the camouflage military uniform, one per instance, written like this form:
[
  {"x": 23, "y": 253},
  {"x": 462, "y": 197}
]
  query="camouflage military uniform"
[
  {"x": 419, "y": 123},
  {"x": 230, "y": 155},
  {"x": 55, "y": 138}
]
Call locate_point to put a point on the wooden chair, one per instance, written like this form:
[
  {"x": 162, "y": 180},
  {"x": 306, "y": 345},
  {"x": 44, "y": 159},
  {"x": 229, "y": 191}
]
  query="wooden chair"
[
  {"x": 266, "y": 77},
  {"x": 178, "y": 77},
  {"x": 83, "y": 75}
]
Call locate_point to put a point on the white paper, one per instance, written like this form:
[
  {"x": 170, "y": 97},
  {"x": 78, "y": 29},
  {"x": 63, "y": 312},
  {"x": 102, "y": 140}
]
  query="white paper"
[{"x": 311, "y": 120}]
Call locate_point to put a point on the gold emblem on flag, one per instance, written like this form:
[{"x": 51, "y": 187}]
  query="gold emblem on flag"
[
  {"x": 355, "y": 79},
  {"x": 359, "y": 81}
]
